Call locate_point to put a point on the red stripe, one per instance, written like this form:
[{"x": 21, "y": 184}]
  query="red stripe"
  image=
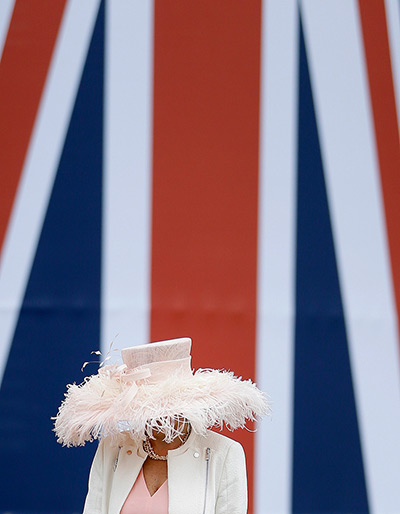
[
  {"x": 26, "y": 57},
  {"x": 206, "y": 130},
  {"x": 377, "y": 52}
]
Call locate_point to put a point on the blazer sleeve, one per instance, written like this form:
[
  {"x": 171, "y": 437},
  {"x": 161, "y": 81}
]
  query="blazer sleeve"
[
  {"x": 232, "y": 491},
  {"x": 94, "y": 498}
]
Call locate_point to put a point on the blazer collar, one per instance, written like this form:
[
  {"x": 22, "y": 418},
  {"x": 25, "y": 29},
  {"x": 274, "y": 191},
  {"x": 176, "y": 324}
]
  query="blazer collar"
[{"x": 129, "y": 464}]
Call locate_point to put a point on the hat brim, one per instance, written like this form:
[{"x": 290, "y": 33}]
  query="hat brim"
[{"x": 103, "y": 405}]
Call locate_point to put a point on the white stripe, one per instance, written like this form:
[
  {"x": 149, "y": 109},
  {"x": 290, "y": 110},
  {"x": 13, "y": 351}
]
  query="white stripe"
[
  {"x": 41, "y": 163},
  {"x": 340, "y": 85},
  {"x": 127, "y": 179},
  {"x": 393, "y": 25},
  {"x": 276, "y": 253},
  {"x": 6, "y": 10}
]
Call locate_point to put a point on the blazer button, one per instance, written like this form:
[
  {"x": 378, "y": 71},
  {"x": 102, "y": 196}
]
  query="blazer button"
[
  {"x": 196, "y": 455},
  {"x": 129, "y": 452}
]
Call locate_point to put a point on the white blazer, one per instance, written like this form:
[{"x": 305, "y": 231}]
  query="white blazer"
[{"x": 206, "y": 475}]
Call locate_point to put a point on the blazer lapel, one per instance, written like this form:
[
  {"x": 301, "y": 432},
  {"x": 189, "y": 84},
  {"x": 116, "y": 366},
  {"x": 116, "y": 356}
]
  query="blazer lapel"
[
  {"x": 128, "y": 467},
  {"x": 187, "y": 481}
]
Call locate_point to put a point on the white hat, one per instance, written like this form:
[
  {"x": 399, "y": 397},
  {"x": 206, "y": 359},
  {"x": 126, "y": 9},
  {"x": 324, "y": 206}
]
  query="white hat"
[{"x": 154, "y": 388}]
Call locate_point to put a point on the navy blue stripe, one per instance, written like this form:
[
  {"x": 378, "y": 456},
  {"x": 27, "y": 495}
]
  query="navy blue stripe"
[
  {"x": 328, "y": 474},
  {"x": 59, "y": 322}
]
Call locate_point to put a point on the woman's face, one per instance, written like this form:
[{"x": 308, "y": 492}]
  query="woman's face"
[{"x": 181, "y": 425}]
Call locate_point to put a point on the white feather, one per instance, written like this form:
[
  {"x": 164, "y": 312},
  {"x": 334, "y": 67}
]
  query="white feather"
[{"x": 105, "y": 405}]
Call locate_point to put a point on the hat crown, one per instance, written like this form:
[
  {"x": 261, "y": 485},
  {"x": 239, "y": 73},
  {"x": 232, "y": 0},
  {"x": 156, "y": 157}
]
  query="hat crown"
[{"x": 161, "y": 351}]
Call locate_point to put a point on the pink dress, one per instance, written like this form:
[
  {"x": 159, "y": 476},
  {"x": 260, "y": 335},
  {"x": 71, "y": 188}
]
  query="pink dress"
[{"x": 139, "y": 500}]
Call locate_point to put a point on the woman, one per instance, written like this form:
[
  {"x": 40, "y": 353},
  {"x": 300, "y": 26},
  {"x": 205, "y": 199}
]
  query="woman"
[{"x": 156, "y": 454}]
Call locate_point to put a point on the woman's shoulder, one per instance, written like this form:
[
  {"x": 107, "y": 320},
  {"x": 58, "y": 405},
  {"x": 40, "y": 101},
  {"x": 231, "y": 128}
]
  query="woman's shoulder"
[
  {"x": 216, "y": 439},
  {"x": 109, "y": 446}
]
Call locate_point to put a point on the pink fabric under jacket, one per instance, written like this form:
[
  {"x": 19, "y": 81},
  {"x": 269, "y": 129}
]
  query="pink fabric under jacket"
[{"x": 139, "y": 500}]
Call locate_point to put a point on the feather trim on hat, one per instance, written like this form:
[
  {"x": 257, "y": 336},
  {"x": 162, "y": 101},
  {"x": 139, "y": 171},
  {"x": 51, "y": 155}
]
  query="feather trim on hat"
[{"x": 106, "y": 405}]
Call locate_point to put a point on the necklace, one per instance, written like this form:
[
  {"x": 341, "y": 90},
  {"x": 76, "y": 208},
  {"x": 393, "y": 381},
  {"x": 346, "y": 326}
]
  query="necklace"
[{"x": 148, "y": 448}]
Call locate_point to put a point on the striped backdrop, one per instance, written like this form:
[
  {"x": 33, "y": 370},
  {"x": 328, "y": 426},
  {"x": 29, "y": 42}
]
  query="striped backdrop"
[{"x": 227, "y": 170}]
